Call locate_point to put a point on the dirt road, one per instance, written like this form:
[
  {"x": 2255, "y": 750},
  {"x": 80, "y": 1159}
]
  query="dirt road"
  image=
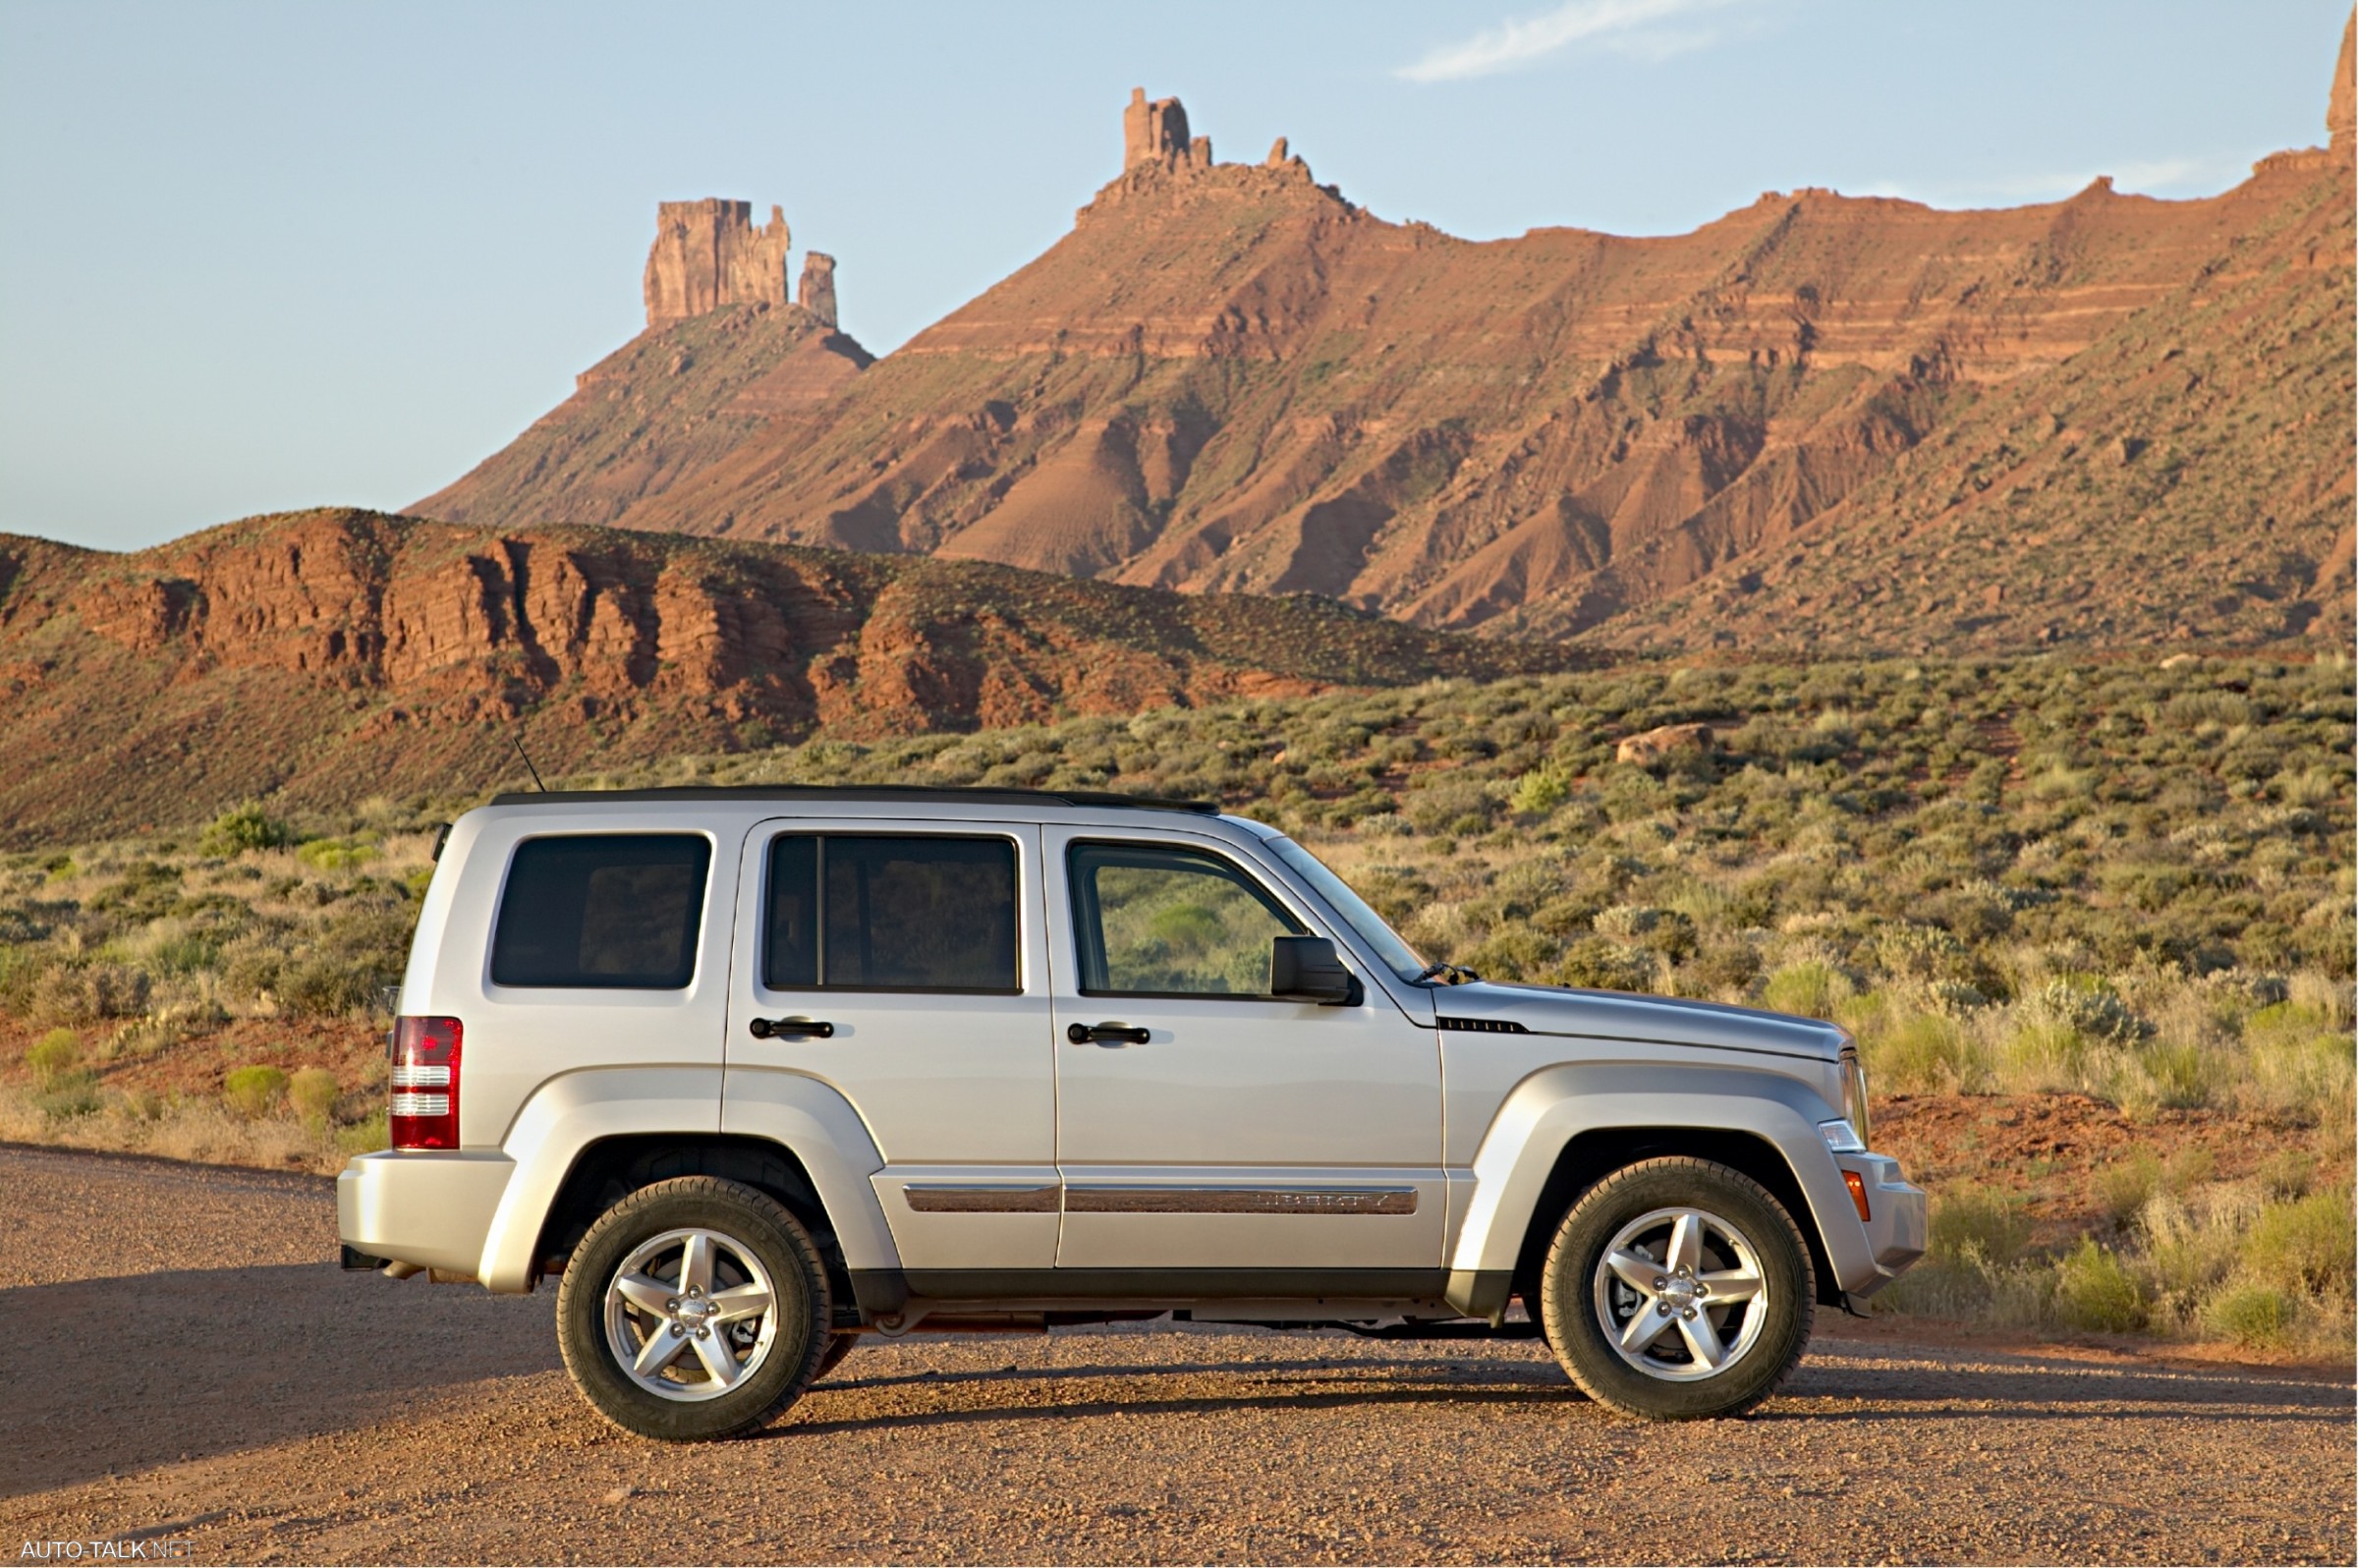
[{"x": 176, "y": 1363}]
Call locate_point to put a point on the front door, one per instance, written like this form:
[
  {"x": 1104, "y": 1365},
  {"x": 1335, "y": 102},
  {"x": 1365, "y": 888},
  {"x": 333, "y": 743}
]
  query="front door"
[
  {"x": 903, "y": 963},
  {"x": 1222, "y": 1128}
]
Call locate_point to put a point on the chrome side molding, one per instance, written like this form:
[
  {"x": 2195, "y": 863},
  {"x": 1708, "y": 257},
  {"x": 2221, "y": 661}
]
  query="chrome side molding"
[
  {"x": 978, "y": 1198},
  {"x": 1107, "y": 1198}
]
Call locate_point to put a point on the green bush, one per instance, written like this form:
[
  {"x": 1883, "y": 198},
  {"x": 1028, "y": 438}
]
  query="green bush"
[
  {"x": 2095, "y": 1289},
  {"x": 1539, "y": 792},
  {"x": 2256, "y": 1316},
  {"x": 240, "y": 828},
  {"x": 1921, "y": 1053},
  {"x": 1811, "y": 988},
  {"x": 365, "y": 1137},
  {"x": 312, "y": 1091},
  {"x": 2124, "y": 1185},
  {"x": 53, "y": 1058},
  {"x": 73, "y": 1097},
  {"x": 253, "y": 1091},
  {"x": 1973, "y": 1222},
  {"x": 2309, "y": 1246}
]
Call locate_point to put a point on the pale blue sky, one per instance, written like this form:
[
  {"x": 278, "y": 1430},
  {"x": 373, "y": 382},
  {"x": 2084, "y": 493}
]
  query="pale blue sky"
[{"x": 267, "y": 255}]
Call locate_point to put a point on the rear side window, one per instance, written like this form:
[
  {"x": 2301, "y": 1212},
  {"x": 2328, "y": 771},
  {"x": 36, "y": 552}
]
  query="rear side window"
[
  {"x": 608, "y": 911},
  {"x": 885, "y": 912}
]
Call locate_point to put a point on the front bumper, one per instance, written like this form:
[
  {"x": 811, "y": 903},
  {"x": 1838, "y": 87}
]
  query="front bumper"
[
  {"x": 1896, "y": 1218},
  {"x": 417, "y": 1206}
]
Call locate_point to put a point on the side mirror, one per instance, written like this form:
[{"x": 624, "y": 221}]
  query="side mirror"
[{"x": 1306, "y": 969}]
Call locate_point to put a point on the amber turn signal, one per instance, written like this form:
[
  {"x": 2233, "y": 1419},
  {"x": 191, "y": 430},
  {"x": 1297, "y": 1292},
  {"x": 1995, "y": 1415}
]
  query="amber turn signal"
[{"x": 1858, "y": 1191}]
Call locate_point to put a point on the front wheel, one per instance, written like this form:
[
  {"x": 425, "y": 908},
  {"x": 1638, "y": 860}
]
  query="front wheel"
[
  {"x": 694, "y": 1308},
  {"x": 1677, "y": 1289}
]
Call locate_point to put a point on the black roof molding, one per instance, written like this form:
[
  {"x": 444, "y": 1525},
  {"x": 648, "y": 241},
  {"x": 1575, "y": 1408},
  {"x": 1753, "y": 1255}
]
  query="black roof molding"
[{"x": 878, "y": 794}]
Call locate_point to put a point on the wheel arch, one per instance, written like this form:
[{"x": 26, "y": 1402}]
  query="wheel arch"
[
  {"x": 1590, "y": 1156},
  {"x": 1565, "y": 1128},
  {"x": 590, "y": 1135}
]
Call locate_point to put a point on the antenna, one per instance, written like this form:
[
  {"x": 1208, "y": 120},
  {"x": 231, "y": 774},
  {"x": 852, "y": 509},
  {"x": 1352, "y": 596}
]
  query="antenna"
[{"x": 515, "y": 738}]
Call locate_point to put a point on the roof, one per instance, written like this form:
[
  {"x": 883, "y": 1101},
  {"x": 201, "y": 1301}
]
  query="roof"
[{"x": 884, "y": 794}]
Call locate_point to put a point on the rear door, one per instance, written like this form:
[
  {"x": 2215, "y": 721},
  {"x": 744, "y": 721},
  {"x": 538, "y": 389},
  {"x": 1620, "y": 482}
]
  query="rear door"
[
  {"x": 902, "y": 963},
  {"x": 1241, "y": 1131}
]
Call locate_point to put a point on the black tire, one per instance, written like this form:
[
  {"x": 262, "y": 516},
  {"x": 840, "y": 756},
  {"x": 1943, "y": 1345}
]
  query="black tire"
[
  {"x": 840, "y": 1345},
  {"x": 763, "y": 1230},
  {"x": 1765, "y": 1351}
]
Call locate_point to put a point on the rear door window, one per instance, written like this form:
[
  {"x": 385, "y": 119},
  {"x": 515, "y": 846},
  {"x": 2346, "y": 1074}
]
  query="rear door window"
[
  {"x": 603, "y": 911},
  {"x": 878, "y": 912}
]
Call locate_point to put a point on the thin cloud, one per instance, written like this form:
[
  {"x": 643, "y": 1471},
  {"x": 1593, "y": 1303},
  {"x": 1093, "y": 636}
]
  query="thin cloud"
[{"x": 1629, "y": 26}]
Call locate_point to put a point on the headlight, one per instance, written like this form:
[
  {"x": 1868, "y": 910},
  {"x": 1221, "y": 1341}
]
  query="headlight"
[{"x": 1854, "y": 1097}]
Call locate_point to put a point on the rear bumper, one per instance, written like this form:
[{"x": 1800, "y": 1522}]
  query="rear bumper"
[
  {"x": 429, "y": 1208},
  {"x": 1895, "y": 1221}
]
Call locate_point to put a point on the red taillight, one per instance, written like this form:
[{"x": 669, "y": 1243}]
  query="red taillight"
[{"x": 426, "y": 1083}]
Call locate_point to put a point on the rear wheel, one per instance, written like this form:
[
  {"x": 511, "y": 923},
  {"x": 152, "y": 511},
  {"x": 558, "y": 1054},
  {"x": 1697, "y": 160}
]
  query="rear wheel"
[
  {"x": 694, "y": 1308},
  {"x": 1677, "y": 1289}
]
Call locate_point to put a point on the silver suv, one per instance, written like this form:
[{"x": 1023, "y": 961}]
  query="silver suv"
[{"x": 755, "y": 1073}]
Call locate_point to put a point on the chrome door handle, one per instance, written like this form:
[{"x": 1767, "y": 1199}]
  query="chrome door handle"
[
  {"x": 1104, "y": 1034},
  {"x": 790, "y": 1029}
]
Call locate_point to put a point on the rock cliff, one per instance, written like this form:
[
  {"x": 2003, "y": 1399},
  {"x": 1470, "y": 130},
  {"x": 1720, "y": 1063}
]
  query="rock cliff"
[
  {"x": 1228, "y": 376},
  {"x": 708, "y": 253},
  {"x": 329, "y": 656}
]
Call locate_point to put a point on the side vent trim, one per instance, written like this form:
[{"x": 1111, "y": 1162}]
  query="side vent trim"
[{"x": 1481, "y": 1025}]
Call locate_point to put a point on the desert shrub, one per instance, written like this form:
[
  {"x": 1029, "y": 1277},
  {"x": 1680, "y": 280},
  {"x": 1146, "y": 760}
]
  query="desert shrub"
[
  {"x": 365, "y": 1137},
  {"x": 337, "y": 854},
  {"x": 74, "y": 1096},
  {"x": 2093, "y": 1012},
  {"x": 1517, "y": 953},
  {"x": 240, "y": 828},
  {"x": 1600, "y": 964},
  {"x": 1666, "y": 931},
  {"x": 1812, "y": 988},
  {"x": 2309, "y": 1246},
  {"x": 2256, "y": 1316},
  {"x": 54, "y": 1057},
  {"x": 2095, "y": 1289},
  {"x": 1920, "y": 1053},
  {"x": 1539, "y": 792},
  {"x": 2286, "y": 1174},
  {"x": 2124, "y": 1185},
  {"x": 312, "y": 1091},
  {"x": 73, "y": 992},
  {"x": 1976, "y": 1222},
  {"x": 1452, "y": 806},
  {"x": 1727, "y": 965},
  {"x": 253, "y": 1091}
]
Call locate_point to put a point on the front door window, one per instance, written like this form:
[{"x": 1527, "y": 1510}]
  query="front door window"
[{"x": 1171, "y": 922}]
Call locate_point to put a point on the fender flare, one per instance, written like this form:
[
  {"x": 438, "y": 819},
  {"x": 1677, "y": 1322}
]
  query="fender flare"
[
  {"x": 1542, "y": 1115},
  {"x": 570, "y": 1112}
]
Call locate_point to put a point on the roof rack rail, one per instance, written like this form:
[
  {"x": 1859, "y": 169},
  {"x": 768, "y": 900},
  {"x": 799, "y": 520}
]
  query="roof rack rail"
[{"x": 881, "y": 794}]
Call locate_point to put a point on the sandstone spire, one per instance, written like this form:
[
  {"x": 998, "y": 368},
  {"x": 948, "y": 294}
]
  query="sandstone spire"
[
  {"x": 816, "y": 292},
  {"x": 1152, "y": 131},
  {"x": 2341, "y": 109},
  {"x": 708, "y": 253}
]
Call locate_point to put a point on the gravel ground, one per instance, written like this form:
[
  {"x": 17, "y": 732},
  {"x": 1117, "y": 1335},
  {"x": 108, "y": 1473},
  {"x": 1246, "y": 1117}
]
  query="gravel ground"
[{"x": 175, "y": 1362}]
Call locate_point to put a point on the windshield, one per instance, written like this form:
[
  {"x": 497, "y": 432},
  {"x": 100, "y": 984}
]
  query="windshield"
[{"x": 1400, "y": 958}]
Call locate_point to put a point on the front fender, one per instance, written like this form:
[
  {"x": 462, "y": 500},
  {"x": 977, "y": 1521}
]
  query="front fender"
[{"x": 1546, "y": 1111}]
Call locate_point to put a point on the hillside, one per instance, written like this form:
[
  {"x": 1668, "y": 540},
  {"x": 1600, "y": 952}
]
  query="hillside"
[
  {"x": 323, "y": 658},
  {"x": 1227, "y": 377}
]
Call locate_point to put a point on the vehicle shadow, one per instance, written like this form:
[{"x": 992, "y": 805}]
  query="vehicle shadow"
[
  {"x": 112, "y": 1374},
  {"x": 1836, "y": 1382}
]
